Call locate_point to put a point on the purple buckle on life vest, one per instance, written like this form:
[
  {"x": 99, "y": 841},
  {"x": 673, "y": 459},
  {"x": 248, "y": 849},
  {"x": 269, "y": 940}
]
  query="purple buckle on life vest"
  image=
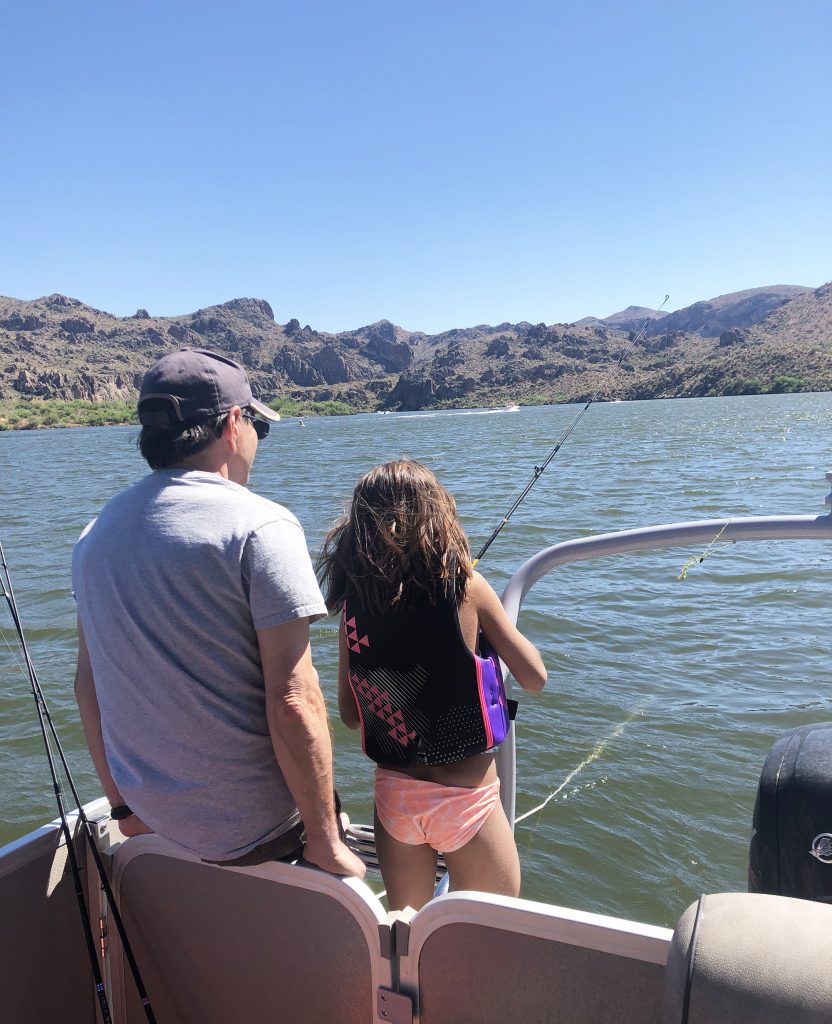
[{"x": 497, "y": 714}]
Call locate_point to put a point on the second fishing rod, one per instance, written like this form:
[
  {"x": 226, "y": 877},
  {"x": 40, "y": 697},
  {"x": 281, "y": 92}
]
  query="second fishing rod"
[
  {"x": 538, "y": 470},
  {"x": 49, "y": 736}
]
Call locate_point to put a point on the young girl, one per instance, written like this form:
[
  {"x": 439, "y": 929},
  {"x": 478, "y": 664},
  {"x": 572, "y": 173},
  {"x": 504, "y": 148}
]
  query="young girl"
[{"x": 398, "y": 568}]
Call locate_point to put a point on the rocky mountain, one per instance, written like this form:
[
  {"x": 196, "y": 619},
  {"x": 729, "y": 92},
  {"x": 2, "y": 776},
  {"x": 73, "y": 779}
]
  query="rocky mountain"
[
  {"x": 709, "y": 318},
  {"x": 628, "y": 319},
  {"x": 771, "y": 338}
]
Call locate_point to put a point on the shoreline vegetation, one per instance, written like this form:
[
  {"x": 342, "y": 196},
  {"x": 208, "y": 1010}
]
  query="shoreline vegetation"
[{"x": 48, "y": 413}]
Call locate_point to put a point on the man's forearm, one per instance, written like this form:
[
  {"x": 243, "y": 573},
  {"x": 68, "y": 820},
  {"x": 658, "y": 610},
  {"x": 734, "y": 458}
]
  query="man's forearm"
[
  {"x": 299, "y": 729},
  {"x": 91, "y": 720},
  {"x": 300, "y": 735}
]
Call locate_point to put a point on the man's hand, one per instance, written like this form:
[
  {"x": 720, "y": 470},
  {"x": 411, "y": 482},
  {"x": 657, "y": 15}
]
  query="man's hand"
[
  {"x": 133, "y": 826},
  {"x": 338, "y": 859}
]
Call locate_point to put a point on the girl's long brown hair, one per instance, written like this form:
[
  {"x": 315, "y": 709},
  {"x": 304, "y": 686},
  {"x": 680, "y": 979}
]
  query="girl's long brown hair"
[{"x": 400, "y": 541}]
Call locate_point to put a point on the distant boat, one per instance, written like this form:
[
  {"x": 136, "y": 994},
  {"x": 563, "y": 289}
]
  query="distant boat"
[{"x": 512, "y": 408}]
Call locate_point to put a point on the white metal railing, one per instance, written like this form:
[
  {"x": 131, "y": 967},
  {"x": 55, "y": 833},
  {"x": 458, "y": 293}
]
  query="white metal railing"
[{"x": 703, "y": 531}]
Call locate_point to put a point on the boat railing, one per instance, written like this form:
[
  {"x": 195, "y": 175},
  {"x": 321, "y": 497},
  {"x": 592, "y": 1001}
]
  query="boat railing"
[{"x": 703, "y": 531}]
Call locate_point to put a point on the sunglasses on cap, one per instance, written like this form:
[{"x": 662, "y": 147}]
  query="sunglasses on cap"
[{"x": 261, "y": 427}]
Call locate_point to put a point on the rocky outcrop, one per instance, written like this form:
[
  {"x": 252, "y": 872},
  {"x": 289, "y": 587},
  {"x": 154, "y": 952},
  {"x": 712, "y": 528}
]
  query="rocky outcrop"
[
  {"x": 706, "y": 318},
  {"x": 733, "y": 337},
  {"x": 739, "y": 309},
  {"x": 253, "y": 310},
  {"x": 451, "y": 357},
  {"x": 331, "y": 366},
  {"x": 455, "y": 388},
  {"x": 78, "y": 325},
  {"x": 297, "y": 369},
  {"x": 412, "y": 391},
  {"x": 89, "y": 387},
  {"x": 59, "y": 301},
  {"x": 661, "y": 342},
  {"x": 632, "y": 318},
  {"x": 204, "y": 324},
  {"x": 16, "y": 322},
  {"x": 387, "y": 345},
  {"x": 497, "y": 349},
  {"x": 392, "y": 356}
]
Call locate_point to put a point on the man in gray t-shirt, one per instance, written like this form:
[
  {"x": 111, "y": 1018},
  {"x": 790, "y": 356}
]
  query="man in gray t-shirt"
[{"x": 201, "y": 706}]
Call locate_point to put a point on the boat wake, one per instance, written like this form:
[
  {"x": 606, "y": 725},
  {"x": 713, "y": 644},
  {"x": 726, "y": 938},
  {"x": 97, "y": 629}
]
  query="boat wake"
[{"x": 456, "y": 412}]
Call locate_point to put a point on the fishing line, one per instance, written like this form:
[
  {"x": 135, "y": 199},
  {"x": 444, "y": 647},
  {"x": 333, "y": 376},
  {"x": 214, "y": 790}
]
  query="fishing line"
[
  {"x": 44, "y": 719},
  {"x": 596, "y": 753},
  {"x": 18, "y": 664},
  {"x": 538, "y": 470},
  {"x": 699, "y": 559}
]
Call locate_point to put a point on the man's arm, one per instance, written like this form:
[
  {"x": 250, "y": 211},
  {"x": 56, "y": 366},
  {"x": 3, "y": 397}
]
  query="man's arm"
[
  {"x": 91, "y": 721},
  {"x": 299, "y": 728}
]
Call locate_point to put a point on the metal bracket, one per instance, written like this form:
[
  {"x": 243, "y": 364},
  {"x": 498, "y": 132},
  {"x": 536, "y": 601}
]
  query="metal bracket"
[
  {"x": 100, "y": 826},
  {"x": 393, "y": 1007}
]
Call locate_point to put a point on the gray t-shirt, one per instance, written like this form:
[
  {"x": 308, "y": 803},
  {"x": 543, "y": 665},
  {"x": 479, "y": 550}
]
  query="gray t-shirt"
[{"x": 172, "y": 580}]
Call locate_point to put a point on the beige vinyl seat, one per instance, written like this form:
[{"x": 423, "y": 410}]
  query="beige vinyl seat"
[
  {"x": 469, "y": 958},
  {"x": 39, "y": 925},
  {"x": 273, "y": 943},
  {"x": 746, "y": 958}
]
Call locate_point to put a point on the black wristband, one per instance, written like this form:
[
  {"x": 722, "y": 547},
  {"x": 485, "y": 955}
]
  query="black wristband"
[{"x": 120, "y": 812}]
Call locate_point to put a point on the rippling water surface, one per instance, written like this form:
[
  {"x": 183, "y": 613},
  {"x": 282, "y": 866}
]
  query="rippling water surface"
[{"x": 664, "y": 696}]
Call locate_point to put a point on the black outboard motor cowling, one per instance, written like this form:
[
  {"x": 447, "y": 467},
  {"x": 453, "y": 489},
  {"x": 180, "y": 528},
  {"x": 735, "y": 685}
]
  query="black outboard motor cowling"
[{"x": 791, "y": 846}]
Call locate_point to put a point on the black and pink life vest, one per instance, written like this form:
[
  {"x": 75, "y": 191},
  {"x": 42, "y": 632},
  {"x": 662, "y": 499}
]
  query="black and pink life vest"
[{"x": 423, "y": 697}]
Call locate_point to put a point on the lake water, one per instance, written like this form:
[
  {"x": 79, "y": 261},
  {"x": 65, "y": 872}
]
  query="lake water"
[{"x": 663, "y": 696}]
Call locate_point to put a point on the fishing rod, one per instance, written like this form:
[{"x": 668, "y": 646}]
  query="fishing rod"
[
  {"x": 538, "y": 470},
  {"x": 45, "y": 719}
]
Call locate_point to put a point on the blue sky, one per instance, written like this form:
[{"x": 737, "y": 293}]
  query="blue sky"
[{"x": 439, "y": 164}]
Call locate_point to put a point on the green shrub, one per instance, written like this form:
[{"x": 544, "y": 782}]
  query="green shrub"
[
  {"x": 744, "y": 386},
  {"x": 289, "y": 407},
  {"x": 786, "y": 385},
  {"x": 331, "y": 409},
  {"x": 31, "y": 414}
]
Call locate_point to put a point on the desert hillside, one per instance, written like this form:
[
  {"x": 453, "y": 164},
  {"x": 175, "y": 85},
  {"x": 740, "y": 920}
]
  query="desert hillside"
[{"x": 764, "y": 339}]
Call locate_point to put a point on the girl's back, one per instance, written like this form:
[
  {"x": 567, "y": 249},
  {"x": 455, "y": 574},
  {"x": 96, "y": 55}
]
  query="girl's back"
[{"x": 398, "y": 567}]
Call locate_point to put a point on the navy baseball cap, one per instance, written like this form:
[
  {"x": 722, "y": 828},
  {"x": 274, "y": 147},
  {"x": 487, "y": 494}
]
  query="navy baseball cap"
[{"x": 194, "y": 385}]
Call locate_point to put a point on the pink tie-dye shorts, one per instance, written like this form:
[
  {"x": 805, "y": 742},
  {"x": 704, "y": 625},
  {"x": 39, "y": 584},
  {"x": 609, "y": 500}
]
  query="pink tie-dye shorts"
[{"x": 445, "y": 817}]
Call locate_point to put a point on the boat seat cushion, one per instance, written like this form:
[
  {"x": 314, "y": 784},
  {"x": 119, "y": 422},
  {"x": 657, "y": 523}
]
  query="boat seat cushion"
[{"x": 747, "y": 958}]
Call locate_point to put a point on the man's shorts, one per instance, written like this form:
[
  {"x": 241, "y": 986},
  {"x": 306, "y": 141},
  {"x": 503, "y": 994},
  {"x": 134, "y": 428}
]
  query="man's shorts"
[{"x": 286, "y": 847}]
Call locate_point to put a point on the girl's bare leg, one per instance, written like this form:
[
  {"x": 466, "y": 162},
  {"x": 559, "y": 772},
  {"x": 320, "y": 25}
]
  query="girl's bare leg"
[
  {"x": 489, "y": 861},
  {"x": 409, "y": 872}
]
